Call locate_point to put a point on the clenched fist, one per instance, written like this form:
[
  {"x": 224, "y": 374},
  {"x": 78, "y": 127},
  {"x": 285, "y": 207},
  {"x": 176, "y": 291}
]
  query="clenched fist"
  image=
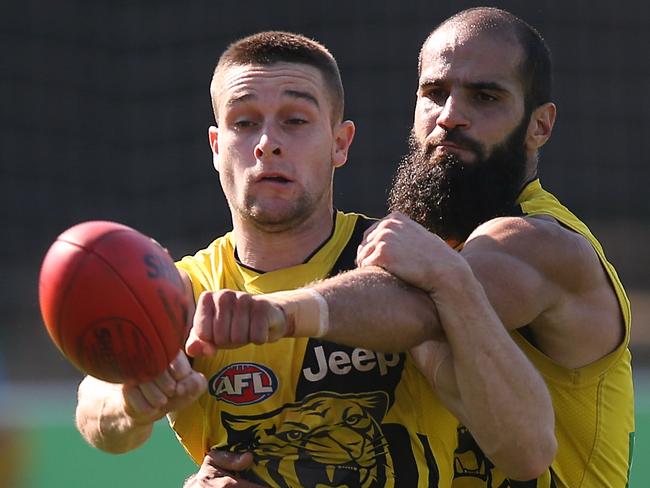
[{"x": 228, "y": 319}]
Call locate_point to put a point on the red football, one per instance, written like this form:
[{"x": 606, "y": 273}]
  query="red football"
[{"x": 113, "y": 302}]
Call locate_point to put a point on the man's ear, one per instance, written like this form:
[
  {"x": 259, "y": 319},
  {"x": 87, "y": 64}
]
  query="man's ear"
[
  {"x": 213, "y": 138},
  {"x": 343, "y": 136},
  {"x": 540, "y": 126}
]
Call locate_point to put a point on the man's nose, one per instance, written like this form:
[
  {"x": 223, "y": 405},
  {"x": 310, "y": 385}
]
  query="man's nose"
[
  {"x": 453, "y": 114},
  {"x": 268, "y": 145}
]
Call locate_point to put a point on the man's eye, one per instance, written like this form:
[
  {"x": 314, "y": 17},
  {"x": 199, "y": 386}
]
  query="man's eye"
[
  {"x": 243, "y": 124},
  {"x": 485, "y": 97},
  {"x": 296, "y": 121},
  {"x": 438, "y": 95}
]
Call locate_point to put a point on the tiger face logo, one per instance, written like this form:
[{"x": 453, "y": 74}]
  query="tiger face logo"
[
  {"x": 328, "y": 439},
  {"x": 470, "y": 465},
  {"x": 469, "y": 460}
]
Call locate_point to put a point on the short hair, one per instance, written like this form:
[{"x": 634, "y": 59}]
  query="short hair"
[
  {"x": 270, "y": 47},
  {"x": 536, "y": 70}
]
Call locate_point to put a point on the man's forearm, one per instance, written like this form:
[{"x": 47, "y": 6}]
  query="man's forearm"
[
  {"x": 102, "y": 420},
  {"x": 504, "y": 401},
  {"x": 373, "y": 309}
]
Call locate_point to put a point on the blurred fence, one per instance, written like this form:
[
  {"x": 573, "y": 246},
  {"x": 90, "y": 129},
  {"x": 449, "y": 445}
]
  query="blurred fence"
[{"x": 105, "y": 108}]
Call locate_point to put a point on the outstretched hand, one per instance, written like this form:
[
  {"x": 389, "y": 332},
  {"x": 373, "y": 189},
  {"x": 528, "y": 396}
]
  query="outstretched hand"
[{"x": 176, "y": 388}]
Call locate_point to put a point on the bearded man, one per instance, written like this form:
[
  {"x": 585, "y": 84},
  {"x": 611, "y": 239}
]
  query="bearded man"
[{"x": 483, "y": 112}]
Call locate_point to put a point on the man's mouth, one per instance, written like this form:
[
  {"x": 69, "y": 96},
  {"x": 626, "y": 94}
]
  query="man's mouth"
[
  {"x": 449, "y": 145},
  {"x": 278, "y": 179},
  {"x": 273, "y": 178}
]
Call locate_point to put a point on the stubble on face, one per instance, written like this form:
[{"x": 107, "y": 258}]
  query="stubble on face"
[
  {"x": 271, "y": 218},
  {"x": 451, "y": 197},
  {"x": 299, "y": 183}
]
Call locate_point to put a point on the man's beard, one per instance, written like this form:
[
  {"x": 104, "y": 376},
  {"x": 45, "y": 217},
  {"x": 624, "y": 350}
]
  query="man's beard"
[{"x": 452, "y": 198}]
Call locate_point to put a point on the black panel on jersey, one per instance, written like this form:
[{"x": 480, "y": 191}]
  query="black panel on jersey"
[
  {"x": 376, "y": 371},
  {"x": 348, "y": 256}
]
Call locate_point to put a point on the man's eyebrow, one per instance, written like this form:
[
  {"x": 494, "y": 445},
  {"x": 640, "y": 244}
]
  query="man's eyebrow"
[
  {"x": 291, "y": 93},
  {"x": 240, "y": 99},
  {"x": 427, "y": 83},
  {"x": 487, "y": 85},
  {"x": 473, "y": 85},
  {"x": 302, "y": 95}
]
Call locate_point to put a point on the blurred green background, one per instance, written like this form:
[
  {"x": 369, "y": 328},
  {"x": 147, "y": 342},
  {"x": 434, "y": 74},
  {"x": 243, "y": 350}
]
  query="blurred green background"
[{"x": 55, "y": 456}]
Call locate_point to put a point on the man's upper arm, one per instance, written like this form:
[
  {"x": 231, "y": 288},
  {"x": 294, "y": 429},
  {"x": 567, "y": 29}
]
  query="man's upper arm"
[{"x": 519, "y": 262}]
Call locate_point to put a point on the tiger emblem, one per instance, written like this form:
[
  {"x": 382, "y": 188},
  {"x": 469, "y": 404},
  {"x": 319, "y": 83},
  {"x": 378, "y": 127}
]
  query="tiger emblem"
[
  {"x": 470, "y": 465},
  {"x": 327, "y": 439}
]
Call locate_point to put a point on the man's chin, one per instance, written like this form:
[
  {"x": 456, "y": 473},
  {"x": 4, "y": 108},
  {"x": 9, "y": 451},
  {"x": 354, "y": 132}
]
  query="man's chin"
[{"x": 275, "y": 220}]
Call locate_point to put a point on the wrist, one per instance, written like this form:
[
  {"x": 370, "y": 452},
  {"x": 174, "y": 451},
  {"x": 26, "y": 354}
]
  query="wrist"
[
  {"x": 306, "y": 311},
  {"x": 457, "y": 282}
]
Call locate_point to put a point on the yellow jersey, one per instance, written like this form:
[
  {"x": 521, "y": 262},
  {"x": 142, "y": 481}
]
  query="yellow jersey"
[
  {"x": 594, "y": 405},
  {"x": 314, "y": 413}
]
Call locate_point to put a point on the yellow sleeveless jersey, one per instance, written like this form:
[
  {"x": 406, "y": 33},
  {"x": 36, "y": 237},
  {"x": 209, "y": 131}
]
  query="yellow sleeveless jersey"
[
  {"x": 312, "y": 412},
  {"x": 594, "y": 405}
]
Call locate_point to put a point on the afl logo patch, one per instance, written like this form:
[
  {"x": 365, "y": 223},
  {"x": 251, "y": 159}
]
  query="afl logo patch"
[{"x": 243, "y": 384}]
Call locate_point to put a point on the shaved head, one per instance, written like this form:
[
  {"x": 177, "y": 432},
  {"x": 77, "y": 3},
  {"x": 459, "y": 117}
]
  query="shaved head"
[
  {"x": 272, "y": 47},
  {"x": 535, "y": 57}
]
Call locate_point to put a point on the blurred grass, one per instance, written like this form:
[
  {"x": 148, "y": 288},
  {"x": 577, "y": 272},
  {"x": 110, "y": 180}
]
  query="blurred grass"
[
  {"x": 640, "y": 475},
  {"x": 57, "y": 457},
  {"x": 64, "y": 460}
]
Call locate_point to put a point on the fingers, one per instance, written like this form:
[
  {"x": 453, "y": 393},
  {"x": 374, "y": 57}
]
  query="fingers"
[
  {"x": 166, "y": 382},
  {"x": 390, "y": 218},
  {"x": 179, "y": 368},
  {"x": 188, "y": 384},
  {"x": 229, "y": 461},
  {"x": 176, "y": 388},
  {"x": 138, "y": 407},
  {"x": 227, "y": 318},
  {"x": 367, "y": 246},
  {"x": 188, "y": 390},
  {"x": 200, "y": 341},
  {"x": 238, "y": 333},
  {"x": 369, "y": 252},
  {"x": 368, "y": 231},
  {"x": 196, "y": 347},
  {"x": 211, "y": 477},
  {"x": 373, "y": 251},
  {"x": 154, "y": 395},
  {"x": 219, "y": 468},
  {"x": 259, "y": 328}
]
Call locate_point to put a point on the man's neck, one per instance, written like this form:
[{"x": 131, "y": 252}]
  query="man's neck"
[
  {"x": 531, "y": 170},
  {"x": 269, "y": 251}
]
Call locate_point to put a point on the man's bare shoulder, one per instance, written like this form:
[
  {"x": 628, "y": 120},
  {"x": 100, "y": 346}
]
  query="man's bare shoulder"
[
  {"x": 541, "y": 242},
  {"x": 520, "y": 232},
  {"x": 537, "y": 272}
]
